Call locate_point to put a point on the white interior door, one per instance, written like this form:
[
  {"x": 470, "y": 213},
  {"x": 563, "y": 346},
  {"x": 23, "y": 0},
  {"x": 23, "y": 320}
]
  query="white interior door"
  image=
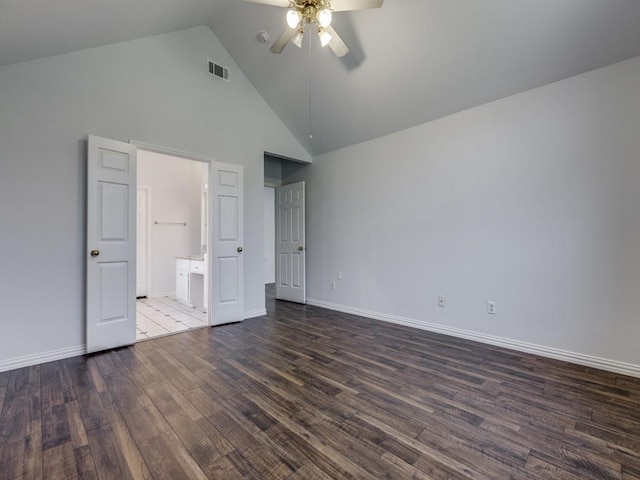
[
  {"x": 142, "y": 242},
  {"x": 111, "y": 244},
  {"x": 227, "y": 275},
  {"x": 290, "y": 243}
]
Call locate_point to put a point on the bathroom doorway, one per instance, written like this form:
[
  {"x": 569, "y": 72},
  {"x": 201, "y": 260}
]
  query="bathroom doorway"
[{"x": 172, "y": 249}]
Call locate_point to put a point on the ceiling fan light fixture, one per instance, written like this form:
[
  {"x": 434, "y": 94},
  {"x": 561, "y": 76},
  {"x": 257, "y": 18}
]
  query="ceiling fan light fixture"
[
  {"x": 325, "y": 37},
  {"x": 300, "y": 13},
  {"x": 324, "y": 17},
  {"x": 297, "y": 40},
  {"x": 293, "y": 18}
]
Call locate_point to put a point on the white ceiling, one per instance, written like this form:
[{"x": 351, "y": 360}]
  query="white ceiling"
[{"x": 410, "y": 62}]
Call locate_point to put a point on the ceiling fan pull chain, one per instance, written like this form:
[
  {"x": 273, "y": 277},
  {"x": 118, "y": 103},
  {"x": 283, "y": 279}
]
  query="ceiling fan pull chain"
[{"x": 309, "y": 69}]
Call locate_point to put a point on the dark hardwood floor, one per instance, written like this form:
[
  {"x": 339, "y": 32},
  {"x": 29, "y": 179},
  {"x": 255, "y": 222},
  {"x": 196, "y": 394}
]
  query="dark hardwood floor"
[{"x": 306, "y": 393}]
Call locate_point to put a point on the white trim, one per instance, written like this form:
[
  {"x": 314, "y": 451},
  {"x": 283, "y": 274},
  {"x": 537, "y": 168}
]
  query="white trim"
[
  {"x": 572, "y": 357},
  {"x": 258, "y": 312},
  {"x": 38, "y": 358},
  {"x": 210, "y": 251},
  {"x": 149, "y": 286},
  {"x": 173, "y": 153},
  {"x": 291, "y": 159}
]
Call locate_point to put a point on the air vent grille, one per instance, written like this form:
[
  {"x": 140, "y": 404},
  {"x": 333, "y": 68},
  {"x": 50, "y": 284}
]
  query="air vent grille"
[{"x": 219, "y": 71}]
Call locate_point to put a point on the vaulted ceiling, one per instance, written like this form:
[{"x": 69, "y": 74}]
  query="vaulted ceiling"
[{"x": 410, "y": 62}]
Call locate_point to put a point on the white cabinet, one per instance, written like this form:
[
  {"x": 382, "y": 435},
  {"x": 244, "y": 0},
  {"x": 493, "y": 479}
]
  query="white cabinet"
[
  {"x": 196, "y": 283},
  {"x": 191, "y": 281},
  {"x": 183, "y": 270},
  {"x": 197, "y": 266}
]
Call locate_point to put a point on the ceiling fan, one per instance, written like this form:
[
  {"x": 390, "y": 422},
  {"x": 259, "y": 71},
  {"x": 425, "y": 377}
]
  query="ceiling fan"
[{"x": 306, "y": 12}]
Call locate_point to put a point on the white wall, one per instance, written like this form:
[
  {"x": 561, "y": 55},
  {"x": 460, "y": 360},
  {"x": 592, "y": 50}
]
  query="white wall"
[
  {"x": 532, "y": 201},
  {"x": 155, "y": 90},
  {"x": 269, "y": 235},
  {"x": 175, "y": 190}
]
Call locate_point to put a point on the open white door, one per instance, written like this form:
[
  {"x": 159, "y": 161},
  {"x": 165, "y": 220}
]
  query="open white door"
[
  {"x": 111, "y": 244},
  {"x": 227, "y": 276},
  {"x": 290, "y": 243}
]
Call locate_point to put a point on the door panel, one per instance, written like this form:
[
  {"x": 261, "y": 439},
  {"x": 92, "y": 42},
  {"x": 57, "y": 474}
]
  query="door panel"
[
  {"x": 282, "y": 277},
  {"x": 296, "y": 281},
  {"x": 113, "y": 278},
  {"x": 112, "y": 212},
  {"x": 228, "y": 225},
  {"x": 227, "y": 247},
  {"x": 229, "y": 291},
  {"x": 295, "y": 225},
  {"x": 111, "y": 234},
  {"x": 290, "y": 243},
  {"x": 284, "y": 223}
]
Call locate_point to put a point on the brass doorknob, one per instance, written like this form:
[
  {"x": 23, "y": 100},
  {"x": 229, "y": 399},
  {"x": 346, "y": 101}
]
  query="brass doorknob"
[
  {"x": 95, "y": 253},
  {"x": 301, "y": 248},
  {"x": 239, "y": 249}
]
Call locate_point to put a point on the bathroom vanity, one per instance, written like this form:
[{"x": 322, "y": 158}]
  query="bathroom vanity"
[{"x": 191, "y": 281}]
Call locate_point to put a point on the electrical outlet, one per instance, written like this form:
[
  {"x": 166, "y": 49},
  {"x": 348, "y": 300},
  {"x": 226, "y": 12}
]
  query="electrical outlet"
[
  {"x": 491, "y": 308},
  {"x": 441, "y": 301},
  {"x": 333, "y": 285},
  {"x": 339, "y": 275}
]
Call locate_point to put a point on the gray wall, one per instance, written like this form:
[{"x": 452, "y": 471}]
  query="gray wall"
[
  {"x": 272, "y": 171},
  {"x": 269, "y": 235},
  {"x": 532, "y": 201},
  {"x": 155, "y": 90}
]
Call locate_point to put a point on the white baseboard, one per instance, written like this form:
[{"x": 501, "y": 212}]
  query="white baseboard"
[
  {"x": 572, "y": 357},
  {"x": 258, "y": 312},
  {"x": 35, "y": 359},
  {"x": 161, "y": 294},
  {"x": 44, "y": 357}
]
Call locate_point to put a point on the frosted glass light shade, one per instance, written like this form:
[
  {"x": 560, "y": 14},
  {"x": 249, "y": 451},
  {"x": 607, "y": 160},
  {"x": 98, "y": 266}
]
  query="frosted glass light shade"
[
  {"x": 293, "y": 18},
  {"x": 297, "y": 40},
  {"x": 325, "y": 37},
  {"x": 324, "y": 18}
]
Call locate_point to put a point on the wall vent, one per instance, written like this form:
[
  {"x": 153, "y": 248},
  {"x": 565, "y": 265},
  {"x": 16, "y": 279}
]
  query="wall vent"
[{"x": 219, "y": 71}]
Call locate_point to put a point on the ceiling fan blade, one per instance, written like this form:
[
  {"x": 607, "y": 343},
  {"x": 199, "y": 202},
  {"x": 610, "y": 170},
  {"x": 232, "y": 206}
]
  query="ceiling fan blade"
[
  {"x": 336, "y": 44},
  {"x": 346, "y": 5},
  {"x": 275, "y": 3},
  {"x": 282, "y": 41}
]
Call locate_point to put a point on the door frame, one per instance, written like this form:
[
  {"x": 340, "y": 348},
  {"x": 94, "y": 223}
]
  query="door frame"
[
  {"x": 273, "y": 237},
  {"x": 147, "y": 227},
  {"x": 209, "y": 161}
]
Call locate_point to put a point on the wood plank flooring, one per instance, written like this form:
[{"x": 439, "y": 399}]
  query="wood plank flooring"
[{"x": 306, "y": 393}]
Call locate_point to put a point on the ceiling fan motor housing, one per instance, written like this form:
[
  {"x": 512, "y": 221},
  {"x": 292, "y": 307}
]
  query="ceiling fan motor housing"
[{"x": 309, "y": 8}]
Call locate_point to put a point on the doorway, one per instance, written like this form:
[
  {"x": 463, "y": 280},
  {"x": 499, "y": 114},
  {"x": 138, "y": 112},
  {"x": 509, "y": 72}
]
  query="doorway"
[
  {"x": 172, "y": 244},
  {"x": 111, "y": 239},
  {"x": 279, "y": 172}
]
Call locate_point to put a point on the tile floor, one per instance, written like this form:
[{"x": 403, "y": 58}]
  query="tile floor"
[{"x": 164, "y": 315}]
